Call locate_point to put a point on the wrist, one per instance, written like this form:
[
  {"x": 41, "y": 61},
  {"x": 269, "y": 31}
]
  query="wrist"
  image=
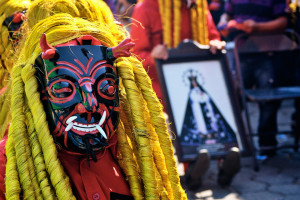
[{"x": 256, "y": 28}]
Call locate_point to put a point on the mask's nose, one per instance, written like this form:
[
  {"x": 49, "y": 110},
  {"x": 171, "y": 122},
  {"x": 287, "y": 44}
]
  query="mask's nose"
[
  {"x": 87, "y": 87},
  {"x": 89, "y": 98},
  {"x": 87, "y": 110}
]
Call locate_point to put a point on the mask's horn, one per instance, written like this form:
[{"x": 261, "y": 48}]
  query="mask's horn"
[
  {"x": 18, "y": 17},
  {"x": 48, "y": 51},
  {"x": 123, "y": 49}
]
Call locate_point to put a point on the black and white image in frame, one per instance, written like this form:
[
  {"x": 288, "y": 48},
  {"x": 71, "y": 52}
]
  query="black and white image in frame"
[{"x": 201, "y": 105}]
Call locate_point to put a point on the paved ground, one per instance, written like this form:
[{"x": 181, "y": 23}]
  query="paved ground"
[{"x": 278, "y": 178}]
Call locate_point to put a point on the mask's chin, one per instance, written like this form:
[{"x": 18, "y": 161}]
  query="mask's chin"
[{"x": 86, "y": 142}]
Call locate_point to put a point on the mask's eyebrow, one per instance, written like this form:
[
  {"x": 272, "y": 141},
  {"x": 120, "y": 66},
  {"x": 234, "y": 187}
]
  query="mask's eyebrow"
[
  {"x": 66, "y": 66},
  {"x": 58, "y": 77},
  {"x": 100, "y": 63},
  {"x": 96, "y": 69}
]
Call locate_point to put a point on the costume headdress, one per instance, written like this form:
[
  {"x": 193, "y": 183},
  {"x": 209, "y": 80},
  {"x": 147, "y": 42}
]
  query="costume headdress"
[{"x": 146, "y": 154}]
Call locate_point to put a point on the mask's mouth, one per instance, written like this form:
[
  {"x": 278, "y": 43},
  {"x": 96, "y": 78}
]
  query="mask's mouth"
[{"x": 83, "y": 129}]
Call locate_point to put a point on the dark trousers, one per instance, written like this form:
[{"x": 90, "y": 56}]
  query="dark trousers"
[
  {"x": 258, "y": 71},
  {"x": 267, "y": 71},
  {"x": 288, "y": 74}
]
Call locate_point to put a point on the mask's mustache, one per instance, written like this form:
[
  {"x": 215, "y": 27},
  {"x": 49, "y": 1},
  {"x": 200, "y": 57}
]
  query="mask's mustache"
[{"x": 67, "y": 122}]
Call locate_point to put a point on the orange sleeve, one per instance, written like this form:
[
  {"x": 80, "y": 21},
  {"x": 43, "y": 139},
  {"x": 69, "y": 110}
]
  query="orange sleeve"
[{"x": 213, "y": 33}]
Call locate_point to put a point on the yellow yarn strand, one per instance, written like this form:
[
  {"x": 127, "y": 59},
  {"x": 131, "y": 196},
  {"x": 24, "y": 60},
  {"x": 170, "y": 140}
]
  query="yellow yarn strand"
[
  {"x": 167, "y": 17},
  {"x": 159, "y": 158},
  {"x": 140, "y": 130},
  {"x": 5, "y": 107},
  {"x": 171, "y": 9},
  {"x": 36, "y": 188},
  {"x": 129, "y": 164},
  {"x": 177, "y": 22},
  {"x": 194, "y": 24},
  {"x": 5, "y": 124},
  {"x": 163, "y": 18},
  {"x": 12, "y": 183},
  {"x": 39, "y": 162},
  {"x": 202, "y": 12},
  {"x": 159, "y": 122},
  {"x": 19, "y": 131},
  {"x": 163, "y": 194},
  {"x": 125, "y": 116},
  {"x": 58, "y": 177},
  {"x": 5, "y": 114}
]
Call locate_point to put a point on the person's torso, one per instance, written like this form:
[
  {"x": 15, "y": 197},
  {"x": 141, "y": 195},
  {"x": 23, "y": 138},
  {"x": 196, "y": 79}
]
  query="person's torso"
[
  {"x": 257, "y": 10},
  {"x": 156, "y": 28}
]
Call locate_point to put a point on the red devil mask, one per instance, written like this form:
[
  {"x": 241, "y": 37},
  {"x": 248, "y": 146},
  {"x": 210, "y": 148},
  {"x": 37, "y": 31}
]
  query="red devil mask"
[{"x": 80, "y": 91}]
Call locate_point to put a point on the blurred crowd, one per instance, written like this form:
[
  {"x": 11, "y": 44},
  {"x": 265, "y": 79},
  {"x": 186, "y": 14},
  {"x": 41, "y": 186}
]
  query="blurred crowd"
[
  {"x": 123, "y": 10},
  {"x": 157, "y": 25}
]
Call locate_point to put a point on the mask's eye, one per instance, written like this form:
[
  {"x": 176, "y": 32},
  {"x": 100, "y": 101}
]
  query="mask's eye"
[
  {"x": 107, "y": 88},
  {"x": 61, "y": 91}
]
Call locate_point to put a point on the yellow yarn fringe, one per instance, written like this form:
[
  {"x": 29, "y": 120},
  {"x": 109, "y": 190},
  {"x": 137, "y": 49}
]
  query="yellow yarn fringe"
[
  {"x": 171, "y": 29},
  {"x": 146, "y": 154}
]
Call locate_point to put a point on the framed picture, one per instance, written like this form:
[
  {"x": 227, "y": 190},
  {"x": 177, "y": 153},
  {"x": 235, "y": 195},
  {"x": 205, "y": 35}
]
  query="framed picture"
[{"x": 200, "y": 102}]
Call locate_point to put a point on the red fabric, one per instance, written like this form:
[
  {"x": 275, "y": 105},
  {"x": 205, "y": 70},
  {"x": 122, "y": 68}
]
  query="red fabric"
[
  {"x": 2, "y": 90},
  {"x": 185, "y": 166},
  {"x": 3, "y": 161},
  {"x": 98, "y": 180},
  {"x": 146, "y": 32}
]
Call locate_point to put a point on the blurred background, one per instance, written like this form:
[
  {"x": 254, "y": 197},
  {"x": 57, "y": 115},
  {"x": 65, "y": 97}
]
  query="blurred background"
[{"x": 271, "y": 170}]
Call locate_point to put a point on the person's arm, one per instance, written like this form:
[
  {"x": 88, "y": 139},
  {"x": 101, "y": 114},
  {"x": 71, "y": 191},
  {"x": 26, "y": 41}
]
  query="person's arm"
[
  {"x": 213, "y": 33},
  {"x": 224, "y": 19},
  {"x": 214, "y": 37},
  {"x": 278, "y": 24}
]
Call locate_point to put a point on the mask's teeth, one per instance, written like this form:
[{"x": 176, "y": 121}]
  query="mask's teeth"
[
  {"x": 69, "y": 127},
  {"x": 71, "y": 119},
  {"x": 101, "y": 131},
  {"x": 102, "y": 118}
]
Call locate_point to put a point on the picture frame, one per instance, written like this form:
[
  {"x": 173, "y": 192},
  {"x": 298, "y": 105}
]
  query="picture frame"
[{"x": 201, "y": 102}]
